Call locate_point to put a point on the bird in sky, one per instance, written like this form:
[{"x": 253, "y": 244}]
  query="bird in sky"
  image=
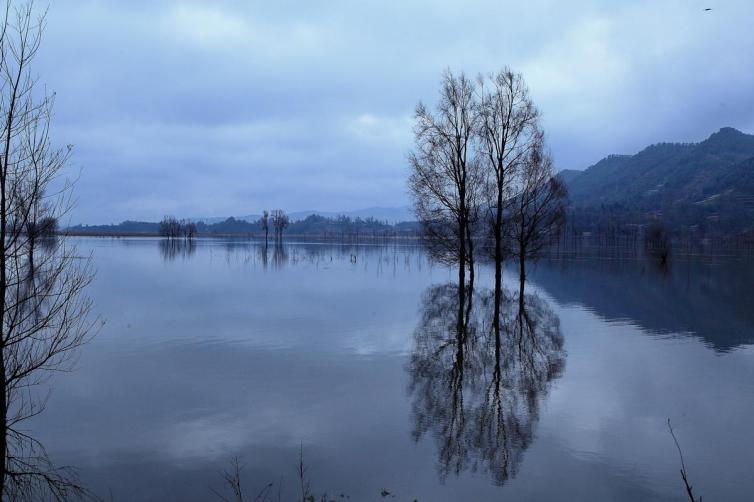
[{"x": 708, "y": 8}]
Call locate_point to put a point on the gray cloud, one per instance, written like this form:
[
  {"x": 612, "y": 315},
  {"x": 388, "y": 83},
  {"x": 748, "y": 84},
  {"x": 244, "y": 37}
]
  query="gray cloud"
[{"x": 216, "y": 108}]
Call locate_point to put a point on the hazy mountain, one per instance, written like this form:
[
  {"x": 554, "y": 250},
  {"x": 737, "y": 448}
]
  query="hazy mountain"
[{"x": 687, "y": 183}]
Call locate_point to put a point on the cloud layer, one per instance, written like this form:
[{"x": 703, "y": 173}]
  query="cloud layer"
[{"x": 217, "y": 107}]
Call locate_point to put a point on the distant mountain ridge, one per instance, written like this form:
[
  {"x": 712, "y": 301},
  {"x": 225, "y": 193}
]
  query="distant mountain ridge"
[{"x": 705, "y": 183}]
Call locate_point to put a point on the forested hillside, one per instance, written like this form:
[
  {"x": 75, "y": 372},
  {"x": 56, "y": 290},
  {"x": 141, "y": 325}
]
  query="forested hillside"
[{"x": 706, "y": 186}]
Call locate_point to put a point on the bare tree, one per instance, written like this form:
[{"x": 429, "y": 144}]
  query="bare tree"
[
  {"x": 170, "y": 227},
  {"x": 232, "y": 481},
  {"x": 280, "y": 222},
  {"x": 187, "y": 229},
  {"x": 507, "y": 130},
  {"x": 264, "y": 221},
  {"x": 445, "y": 178},
  {"x": 537, "y": 211},
  {"x": 44, "y": 313}
]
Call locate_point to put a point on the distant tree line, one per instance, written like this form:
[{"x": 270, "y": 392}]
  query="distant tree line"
[
  {"x": 615, "y": 228},
  {"x": 314, "y": 226}
]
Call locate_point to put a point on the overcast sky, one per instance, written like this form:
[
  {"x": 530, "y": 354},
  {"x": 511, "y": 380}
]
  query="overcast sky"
[{"x": 214, "y": 108}]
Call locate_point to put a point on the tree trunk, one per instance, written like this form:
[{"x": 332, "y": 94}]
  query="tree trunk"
[
  {"x": 3, "y": 381},
  {"x": 461, "y": 282},
  {"x": 462, "y": 224},
  {"x": 521, "y": 276},
  {"x": 470, "y": 243},
  {"x": 3, "y": 424},
  {"x": 498, "y": 231}
]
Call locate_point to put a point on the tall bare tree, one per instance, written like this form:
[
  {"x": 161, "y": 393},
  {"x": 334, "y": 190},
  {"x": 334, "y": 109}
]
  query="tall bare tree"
[
  {"x": 44, "y": 313},
  {"x": 445, "y": 177},
  {"x": 537, "y": 211},
  {"x": 507, "y": 129}
]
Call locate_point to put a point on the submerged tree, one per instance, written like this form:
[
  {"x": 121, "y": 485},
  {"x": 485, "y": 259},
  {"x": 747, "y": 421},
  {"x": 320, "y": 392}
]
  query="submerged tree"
[
  {"x": 537, "y": 211},
  {"x": 280, "y": 222},
  {"x": 657, "y": 242},
  {"x": 172, "y": 228},
  {"x": 507, "y": 130},
  {"x": 264, "y": 222},
  {"x": 445, "y": 180},
  {"x": 44, "y": 313},
  {"x": 188, "y": 229}
]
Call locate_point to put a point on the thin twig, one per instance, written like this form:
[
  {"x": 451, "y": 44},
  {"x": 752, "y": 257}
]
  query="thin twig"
[{"x": 684, "y": 477}]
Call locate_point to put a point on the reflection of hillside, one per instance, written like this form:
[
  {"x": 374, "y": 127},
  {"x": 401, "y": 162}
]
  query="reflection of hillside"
[
  {"x": 709, "y": 299},
  {"x": 475, "y": 391}
]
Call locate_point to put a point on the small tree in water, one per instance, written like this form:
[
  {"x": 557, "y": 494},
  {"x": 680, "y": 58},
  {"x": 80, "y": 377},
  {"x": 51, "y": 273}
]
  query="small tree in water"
[
  {"x": 280, "y": 221},
  {"x": 264, "y": 222},
  {"x": 657, "y": 242},
  {"x": 537, "y": 211},
  {"x": 446, "y": 181}
]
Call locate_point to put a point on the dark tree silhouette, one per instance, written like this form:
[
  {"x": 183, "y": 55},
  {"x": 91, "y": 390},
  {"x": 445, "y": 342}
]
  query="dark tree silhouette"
[
  {"x": 445, "y": 181},
  {"x": 657, "y": 242},
  {"x": 508, "y": 126},
  {"x": 188, "y": 229},
  {"x": 264, "y": 222},
  {"x": 44, "y": 313},
  {"x": 536, "y": 213},
  {"x": 280, "y": 222},
  {"x": 171, "y": 228}
]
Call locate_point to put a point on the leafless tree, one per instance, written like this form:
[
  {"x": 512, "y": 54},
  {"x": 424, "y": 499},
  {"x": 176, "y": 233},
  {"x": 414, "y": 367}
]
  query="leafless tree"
[
  {"x": 44, "y": 314},
  {"x": 537, "y": 210},
  {"x": 280, "y": 222},
  {"x": 170, "y": 227},
  {"x": 445, "y": 178},
  {"x": 232, "y": 481},
  {"x": 187, "y": 229},
  {"x": 264, "y": 222},
  {"x": 507, "y": 130}
]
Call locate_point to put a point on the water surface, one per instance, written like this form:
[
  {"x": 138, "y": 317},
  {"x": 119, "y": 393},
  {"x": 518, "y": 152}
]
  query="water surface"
[{"x": 353, "y": 354}]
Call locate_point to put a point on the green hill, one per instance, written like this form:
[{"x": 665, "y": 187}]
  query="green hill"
[{"x": 684, "y": 184}]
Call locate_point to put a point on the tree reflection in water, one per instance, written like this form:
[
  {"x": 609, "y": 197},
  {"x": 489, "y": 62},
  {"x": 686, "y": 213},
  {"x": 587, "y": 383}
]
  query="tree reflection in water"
[
  {"x": 475, "y": 387},
  {"x": 170, "y": 249}
]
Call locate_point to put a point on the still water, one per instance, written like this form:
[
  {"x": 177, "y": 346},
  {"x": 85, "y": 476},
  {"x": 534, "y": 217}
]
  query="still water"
[{"x": 353, "y": 355}]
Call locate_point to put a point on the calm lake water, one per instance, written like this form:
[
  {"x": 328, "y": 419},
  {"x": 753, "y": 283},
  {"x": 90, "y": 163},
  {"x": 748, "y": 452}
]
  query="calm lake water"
[{"x": 352, "y": 354}]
